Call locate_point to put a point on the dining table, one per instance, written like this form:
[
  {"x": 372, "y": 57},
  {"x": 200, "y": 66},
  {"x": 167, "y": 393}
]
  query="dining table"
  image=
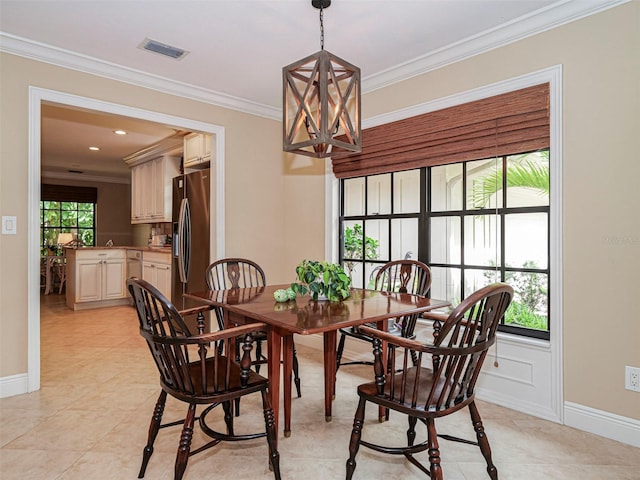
[{"x": 304, "y": 316}]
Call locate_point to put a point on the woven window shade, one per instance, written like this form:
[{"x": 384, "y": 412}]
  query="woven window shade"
[
  {"x": 509, "y": 123},
  {"x": 66, "y": 193}
]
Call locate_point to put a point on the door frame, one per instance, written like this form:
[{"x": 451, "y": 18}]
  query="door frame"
[{"x": 38, "y": 95}]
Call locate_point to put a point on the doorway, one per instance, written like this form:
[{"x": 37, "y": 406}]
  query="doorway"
[{"x": 36, "y": 97}]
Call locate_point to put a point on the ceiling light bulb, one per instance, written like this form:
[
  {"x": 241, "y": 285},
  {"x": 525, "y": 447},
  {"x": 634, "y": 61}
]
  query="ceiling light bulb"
[
  {"x": 119, "y": 132},
  {"x": 94, "y": 148}
]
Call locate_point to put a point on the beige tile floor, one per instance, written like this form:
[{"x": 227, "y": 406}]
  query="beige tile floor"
[{"x": 90, "y": 419}]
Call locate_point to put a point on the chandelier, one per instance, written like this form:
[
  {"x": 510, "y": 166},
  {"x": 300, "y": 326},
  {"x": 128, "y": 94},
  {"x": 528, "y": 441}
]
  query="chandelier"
[{"x": 321, "y": 102}]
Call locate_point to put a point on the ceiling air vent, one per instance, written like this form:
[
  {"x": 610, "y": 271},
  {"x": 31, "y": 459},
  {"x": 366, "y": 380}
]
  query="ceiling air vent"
[{"x": 163, "y": 49}]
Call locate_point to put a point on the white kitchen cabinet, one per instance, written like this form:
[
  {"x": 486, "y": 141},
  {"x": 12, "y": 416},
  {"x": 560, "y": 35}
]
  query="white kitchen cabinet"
[
  {"x": 197, "y": 150},
  {"x": 156, "y": 269},
  {"x": 96, "y": 278},
  {"x": 151, "y": 189}
]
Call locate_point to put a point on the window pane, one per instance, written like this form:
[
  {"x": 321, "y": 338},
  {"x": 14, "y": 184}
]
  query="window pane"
[
  {"x": 482, "y": 240},
  {"x": 371, "y": 270},
  {"x": 445, "y": 284},
  {"x": 69, "y": 218},
  {"x": 406, "y": 192},
  {"x": 476, "y": 279},
  {"x": 69, "y": 206},
  {"x": 378, "y": 231},
  {"x": 404, "y": 238},
  {"x": 484, "y": 184},
  {"x": 529, "y": 307},
  {"x": 445, "y": 240},
  {"x": 355, "y": 269},
  {"x": 86, "y": 236},
  {"x": 379, "y": 194},
  {"x": 526, "y": 240},
  {"x": 528, "y": 179},
  {"x": 446, "y": 188},
  {"x": 353, "y": 196},
  {"x": 85, "y": 206},
  {"x": 352, "y": 239}
]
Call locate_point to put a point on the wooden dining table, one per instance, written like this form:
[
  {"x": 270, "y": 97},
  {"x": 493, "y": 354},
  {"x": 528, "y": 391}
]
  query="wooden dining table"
[{"x": 304, "y": 316}]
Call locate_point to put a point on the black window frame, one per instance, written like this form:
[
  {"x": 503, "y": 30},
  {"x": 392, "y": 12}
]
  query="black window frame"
[{"x": 424, "y": 217}]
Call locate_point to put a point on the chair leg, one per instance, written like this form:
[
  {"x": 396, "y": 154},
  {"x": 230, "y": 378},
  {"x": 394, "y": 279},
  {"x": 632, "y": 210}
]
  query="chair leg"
[
  {"x": 356, "y": 435},
  {"x": 411, "y": 432},
  {"x": 269, "y": 421},
  {"x": 296, "y": 377},
  {"x": 185, "y": 443},
  {"x": 435, "y": 472},
  {"x": 228, "y": 416},
  {"x": 258, "y": 356},
  {"x": 154, "y": 427},
  {"x": 340, "y": 350},
  {"x": 483, "y": 441}
]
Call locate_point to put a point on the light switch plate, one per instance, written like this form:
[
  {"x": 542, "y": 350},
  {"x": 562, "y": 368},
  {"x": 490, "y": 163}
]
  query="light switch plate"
[{"x": 8, "y": 225}]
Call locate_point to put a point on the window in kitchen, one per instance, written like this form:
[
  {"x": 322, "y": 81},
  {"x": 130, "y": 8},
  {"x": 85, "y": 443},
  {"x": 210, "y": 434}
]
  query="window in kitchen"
[
  {"x": 67, "y": 209},
  {"x": 473, "y": 223}
]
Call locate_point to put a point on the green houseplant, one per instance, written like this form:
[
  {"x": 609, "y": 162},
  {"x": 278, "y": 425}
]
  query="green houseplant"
[{"x": 322, "y": 279}]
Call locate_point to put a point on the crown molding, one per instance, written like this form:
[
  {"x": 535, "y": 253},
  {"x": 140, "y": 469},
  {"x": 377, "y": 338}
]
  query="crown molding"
[
  {"x": 555, "y": 15},
  {"x": 64, "y": 58}
]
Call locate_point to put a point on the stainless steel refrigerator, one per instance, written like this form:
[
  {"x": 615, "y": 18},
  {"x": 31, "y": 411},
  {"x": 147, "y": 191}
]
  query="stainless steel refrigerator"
[{"x": 191, "y": 243}]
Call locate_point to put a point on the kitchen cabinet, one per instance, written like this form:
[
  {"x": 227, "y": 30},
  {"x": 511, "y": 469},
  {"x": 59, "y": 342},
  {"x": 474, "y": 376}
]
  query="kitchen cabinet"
[
  {"x": 156, "y": 269},
  {"x": 96, "y": 278},
  {"x": 151, "y": 189},
  {"x": 197, "y": 150}
]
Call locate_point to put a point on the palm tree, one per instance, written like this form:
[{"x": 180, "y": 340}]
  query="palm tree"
[{"x": 525, "y": 172}]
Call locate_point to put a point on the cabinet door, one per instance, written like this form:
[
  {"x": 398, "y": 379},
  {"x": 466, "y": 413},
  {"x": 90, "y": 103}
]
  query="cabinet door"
[
  {"x": 192, "y": 149},
  {"x": 147, "y": 182},
  {"x": 157, "y": 189},
  {"x": 163, "y": 279},
  {"x": 206, "y": 148},
  {"x": 89, "y": 280},
  {"x": 114, "y": 275}
]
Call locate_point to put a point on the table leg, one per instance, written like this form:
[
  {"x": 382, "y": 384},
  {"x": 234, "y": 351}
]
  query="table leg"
[
  {"x": 274, "y": 344},
  {"x": 287, "y": 368},
  {"x": 329, "y": 371}
]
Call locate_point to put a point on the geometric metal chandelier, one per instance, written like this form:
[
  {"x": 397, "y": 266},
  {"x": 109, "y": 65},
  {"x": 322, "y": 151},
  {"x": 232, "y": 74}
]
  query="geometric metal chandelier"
[{"x": 321, "y": 102}]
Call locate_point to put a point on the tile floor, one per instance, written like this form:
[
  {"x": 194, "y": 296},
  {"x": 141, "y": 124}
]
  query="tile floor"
[{"x": 90, "y": 419}]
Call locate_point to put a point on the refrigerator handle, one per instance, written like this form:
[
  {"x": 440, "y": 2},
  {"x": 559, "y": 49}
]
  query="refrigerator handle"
[{"x": 184, "y": 240}]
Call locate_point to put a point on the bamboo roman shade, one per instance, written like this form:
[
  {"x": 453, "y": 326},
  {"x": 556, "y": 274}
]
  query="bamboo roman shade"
[
  {"x": 66, "y": 193},
  {"x": 509, "y": 123}
]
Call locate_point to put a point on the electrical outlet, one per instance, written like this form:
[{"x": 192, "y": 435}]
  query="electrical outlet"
[{"x": 632, "y": 378}]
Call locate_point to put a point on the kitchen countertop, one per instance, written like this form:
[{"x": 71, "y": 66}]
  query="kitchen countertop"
[{"x": 166, "y": 249}]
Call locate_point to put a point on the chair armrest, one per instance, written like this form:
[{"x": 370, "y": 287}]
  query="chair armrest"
[
  {"x": 195, "y": 310},
  {"x": 227, "y": 333},
  {"x": 435, "y": 316},
  {"x": 393, "y": 339}
]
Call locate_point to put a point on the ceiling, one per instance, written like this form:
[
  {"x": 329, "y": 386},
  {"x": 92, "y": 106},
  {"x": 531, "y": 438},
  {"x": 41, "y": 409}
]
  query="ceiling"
[{"x": 237, "y": 49}]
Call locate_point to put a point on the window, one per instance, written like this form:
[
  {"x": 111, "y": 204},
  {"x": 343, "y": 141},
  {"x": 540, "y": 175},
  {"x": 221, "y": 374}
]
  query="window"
[
  {"x": 67, "y": 209},
  {"x": 472, "y": 222}
]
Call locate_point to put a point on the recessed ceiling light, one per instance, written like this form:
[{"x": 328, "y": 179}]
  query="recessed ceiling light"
[
  {"x": 94, "y": 148},
  {"x": 119, "y": 132}
]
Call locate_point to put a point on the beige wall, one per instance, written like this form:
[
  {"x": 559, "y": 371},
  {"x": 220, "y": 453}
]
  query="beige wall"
[
  {"x": 273, "y": 202},
  {"x": 601, "y": 186},
  {"x": 259, "y": 216},
  {"x": 113, "y": 209}
]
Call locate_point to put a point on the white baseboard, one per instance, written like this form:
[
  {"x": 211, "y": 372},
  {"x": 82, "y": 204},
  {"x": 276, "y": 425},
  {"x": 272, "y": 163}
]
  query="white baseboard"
[
  {"x": 605, "y": 424},
  {"x": 14, "y": 385}
]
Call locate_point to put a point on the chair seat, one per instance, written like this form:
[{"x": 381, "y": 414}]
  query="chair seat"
[
  {"x": 215, "y": 380},
  {"x": 407, "y": 382}
]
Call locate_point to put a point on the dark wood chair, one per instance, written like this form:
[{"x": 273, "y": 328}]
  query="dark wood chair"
[
  {"x": 229, "y": 273},
  {"x": 445, "y": 385},
  {"x": 403, "y": 276},
  {"x": 193, "y": 370}
]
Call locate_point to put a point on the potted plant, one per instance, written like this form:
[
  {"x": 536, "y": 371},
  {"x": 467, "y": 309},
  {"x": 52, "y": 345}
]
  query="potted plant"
[
  {"x": 322, "y": 280},
  {"x": 355, "y": 244}
]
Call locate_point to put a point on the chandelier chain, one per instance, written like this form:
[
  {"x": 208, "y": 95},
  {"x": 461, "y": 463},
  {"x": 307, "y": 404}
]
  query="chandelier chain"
[{"x": 321, "y": 27}]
